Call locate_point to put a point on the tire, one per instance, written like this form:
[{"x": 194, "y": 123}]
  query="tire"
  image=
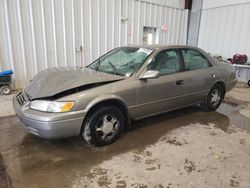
[
  {"x": 103, "y": 126},
  {"x": 248, "y": 83},
  {"x": 5, "y": 90},
  {"x": 214, "y": 98}
]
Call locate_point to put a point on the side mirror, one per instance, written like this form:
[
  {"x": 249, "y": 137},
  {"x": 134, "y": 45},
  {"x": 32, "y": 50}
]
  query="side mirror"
[{"x": 150, "y": 74}]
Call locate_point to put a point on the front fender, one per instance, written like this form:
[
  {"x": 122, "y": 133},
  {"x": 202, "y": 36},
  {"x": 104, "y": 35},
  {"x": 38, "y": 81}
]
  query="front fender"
[{"x": 103, "y": 98}]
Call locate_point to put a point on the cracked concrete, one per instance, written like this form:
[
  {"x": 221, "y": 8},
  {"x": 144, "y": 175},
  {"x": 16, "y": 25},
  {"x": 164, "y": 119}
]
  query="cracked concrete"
[{"x": 184, "y": 148}]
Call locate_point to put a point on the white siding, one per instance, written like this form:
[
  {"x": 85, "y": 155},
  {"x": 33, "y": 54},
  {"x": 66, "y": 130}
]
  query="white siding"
[
  {"x": 225, "y": 27},
  {"x": 37, "y": 34},
  {"x": 207, "y": 4}
]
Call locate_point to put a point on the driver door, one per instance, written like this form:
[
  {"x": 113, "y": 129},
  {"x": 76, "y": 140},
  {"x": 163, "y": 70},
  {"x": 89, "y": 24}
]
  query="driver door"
[{"x": 163, "y": 93}]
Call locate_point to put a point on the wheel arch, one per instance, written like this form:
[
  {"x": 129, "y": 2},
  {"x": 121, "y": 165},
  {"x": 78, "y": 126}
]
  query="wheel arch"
[
  {"x": 110, "y": 100},
  {"x": 222, "y": 84}
]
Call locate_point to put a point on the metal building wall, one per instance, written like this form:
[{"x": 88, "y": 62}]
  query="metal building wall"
[
  {"x": 225, "y": 27},
  {"x": 37, "y": 34}
]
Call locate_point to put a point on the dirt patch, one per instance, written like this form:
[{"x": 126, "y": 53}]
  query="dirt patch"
[
  {"x": 234, "y": 182},
  {"x": 121, "y": 184},
  {"x": 151, "y": 168},
  {"x": 212, "y": 133},
  {"x": 140, "y": 185},
  {"x": 159, "y": 186},
  {"x": 174, "y": 141},
  {"x": 189, "y": 166},
  {"x": 104, "y": 181},
  {"x": 242, "y": 141},
  {"x": 137, "y": 159}
]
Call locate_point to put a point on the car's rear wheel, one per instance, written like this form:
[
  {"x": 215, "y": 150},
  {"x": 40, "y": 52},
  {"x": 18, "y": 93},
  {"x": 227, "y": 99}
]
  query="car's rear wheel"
[
  {"x": 214, "y": 98},
  {"x": 103, "y": 126}
]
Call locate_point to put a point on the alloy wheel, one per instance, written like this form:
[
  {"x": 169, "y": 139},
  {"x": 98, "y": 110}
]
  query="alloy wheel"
[
  {"x": 107, "y": 127},
  {"x": 215, "y": 97}
]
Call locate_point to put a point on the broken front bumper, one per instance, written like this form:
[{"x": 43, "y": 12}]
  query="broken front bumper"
[{"x": 47, "y": 125}]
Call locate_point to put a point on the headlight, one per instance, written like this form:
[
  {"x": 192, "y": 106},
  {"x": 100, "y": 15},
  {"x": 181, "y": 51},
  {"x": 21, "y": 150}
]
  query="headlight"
[{"x": 51, "y": 106}]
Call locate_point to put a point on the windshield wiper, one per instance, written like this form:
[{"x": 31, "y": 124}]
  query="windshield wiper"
[{"x": 113, "y": 67}]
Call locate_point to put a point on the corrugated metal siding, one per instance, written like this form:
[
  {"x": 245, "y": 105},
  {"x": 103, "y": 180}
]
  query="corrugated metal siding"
[
  {"x": 37, "y": 34},
  {"x": 225, "y": 30}
]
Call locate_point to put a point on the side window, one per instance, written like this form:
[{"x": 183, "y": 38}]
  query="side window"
[
  {"x": 166, "y": 62},
  {"x": 194, "y": 60}
]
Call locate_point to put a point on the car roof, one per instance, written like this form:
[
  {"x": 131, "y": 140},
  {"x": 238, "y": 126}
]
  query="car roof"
[{"x": 159, "y": 47}]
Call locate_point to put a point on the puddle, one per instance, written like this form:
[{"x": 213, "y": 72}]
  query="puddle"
[{"x": 236, "y": 119}]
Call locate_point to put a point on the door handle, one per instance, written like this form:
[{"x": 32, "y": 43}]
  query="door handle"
[{"x": 179, "y": 82}]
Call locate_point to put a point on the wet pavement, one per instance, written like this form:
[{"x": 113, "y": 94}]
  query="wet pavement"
[
  {"x": 184, "y": 148},
  {"x": 4, "y": 181}
]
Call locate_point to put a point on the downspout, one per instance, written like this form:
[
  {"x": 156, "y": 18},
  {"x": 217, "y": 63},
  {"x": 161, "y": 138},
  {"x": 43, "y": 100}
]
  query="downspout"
[
  {"x": 194, "y": 22},
  {"x": 188, "y": 6}
]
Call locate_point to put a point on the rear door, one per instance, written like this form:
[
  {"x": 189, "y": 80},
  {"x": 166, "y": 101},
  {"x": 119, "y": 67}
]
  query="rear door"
[{"x": 199, "y": 75}]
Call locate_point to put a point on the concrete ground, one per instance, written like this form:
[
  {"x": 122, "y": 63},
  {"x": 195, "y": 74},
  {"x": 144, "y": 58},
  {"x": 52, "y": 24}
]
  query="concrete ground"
[
  {"x": 184, "y": 148},
  {"x": 5, "y": 101}
]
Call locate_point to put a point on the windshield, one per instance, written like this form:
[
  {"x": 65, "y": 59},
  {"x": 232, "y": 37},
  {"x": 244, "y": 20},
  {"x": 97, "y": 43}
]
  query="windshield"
[{"x": 121, "y": 61}]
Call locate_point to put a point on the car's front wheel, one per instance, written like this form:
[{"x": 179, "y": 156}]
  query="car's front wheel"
[
  {"x": 214, "y": 98},
  {"x": 103, "y": 126}
]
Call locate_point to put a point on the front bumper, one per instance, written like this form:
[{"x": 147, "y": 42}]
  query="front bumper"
[{"x": 49, "y": 125}]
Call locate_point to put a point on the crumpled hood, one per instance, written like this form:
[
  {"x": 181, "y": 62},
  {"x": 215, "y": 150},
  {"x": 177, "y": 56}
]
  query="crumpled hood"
[{"x": 52, "y": 81}]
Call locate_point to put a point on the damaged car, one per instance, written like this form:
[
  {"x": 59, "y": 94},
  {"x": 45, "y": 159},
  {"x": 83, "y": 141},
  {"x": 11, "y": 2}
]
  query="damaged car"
[{"x": 99, "y": 101}]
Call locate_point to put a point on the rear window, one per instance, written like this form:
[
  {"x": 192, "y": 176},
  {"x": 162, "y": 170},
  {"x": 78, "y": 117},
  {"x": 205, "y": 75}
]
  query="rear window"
[{"x": 193, "y": 60}]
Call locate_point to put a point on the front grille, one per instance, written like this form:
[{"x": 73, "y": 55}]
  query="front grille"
[{"x": 21, "y": 99}]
